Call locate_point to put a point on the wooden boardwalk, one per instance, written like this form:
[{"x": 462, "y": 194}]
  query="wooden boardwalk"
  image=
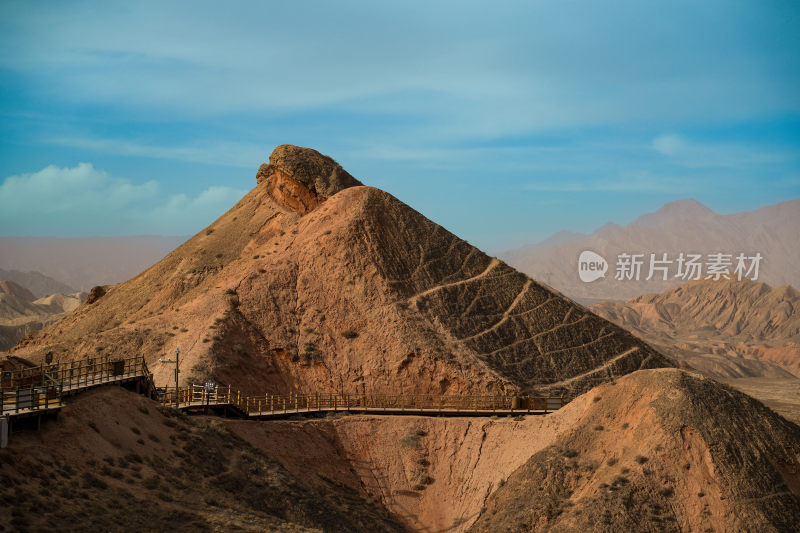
[
  {"x": 267, "y": 406},
  {"x": 39, "y": 391}
]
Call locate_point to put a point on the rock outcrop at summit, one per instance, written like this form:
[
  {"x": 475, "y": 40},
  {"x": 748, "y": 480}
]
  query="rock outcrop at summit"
[
  {"x": 312, "y": 282},
  {"x": 301, "y": 178}
]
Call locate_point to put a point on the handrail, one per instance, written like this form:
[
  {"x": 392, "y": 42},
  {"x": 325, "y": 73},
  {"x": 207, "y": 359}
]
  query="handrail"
[
  {"x": 199, "y": 396},
  {"x": 42, "y": 387}
]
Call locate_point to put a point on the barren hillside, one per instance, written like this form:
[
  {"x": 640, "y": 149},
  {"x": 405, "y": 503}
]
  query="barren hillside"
[
  {"x": 660, "y": 450},
  {"x": 315, "y": 282},
  {"x": 655, "y": 450},
  {"x": 723, "y": 328},
  {"x": 116, "y": 461}
]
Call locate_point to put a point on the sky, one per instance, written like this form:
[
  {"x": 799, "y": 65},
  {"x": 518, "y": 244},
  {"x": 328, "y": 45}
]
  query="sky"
[{"x": 504, "y": 122}]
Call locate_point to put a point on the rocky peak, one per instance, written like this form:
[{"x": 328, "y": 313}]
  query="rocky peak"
[{"x": 301, "y": 178}]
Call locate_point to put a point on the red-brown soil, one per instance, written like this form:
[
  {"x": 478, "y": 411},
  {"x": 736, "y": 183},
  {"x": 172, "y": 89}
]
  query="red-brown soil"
[{"x": 656, "y": 450}]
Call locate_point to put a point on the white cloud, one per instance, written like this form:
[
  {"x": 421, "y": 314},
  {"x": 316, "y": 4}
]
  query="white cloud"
[
  {"x": 85, "y": 201},
  {"x": 669, "y": 144}
]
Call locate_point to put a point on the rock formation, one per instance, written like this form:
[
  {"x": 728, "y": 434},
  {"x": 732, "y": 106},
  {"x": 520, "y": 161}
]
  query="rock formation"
[{"x": 312, "y": 282}]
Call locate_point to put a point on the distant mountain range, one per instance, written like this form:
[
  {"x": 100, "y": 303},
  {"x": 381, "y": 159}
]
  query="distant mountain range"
[
  {"x": 726, "y": 329},
  {"x": 683, "y": 226},
  {"x": 79, "y": 264},
  {"x": 22, "y": 313},
  {"x": 35, "y": 282}
]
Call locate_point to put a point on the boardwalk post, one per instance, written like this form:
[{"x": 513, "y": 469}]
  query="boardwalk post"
[{"x": 4, "y": 422}]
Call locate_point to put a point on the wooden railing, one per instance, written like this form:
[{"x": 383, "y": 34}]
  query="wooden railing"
[
  {"x": 28, "y": 399},
  {"x": 268, "y": 404},
  {"x": 42, "y": 387}
]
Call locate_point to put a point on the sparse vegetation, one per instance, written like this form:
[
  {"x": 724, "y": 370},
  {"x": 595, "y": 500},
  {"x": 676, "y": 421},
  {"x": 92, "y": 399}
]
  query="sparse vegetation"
[
  {"x": 349, "y": 334},
  {"x": 641, "y": 459}
]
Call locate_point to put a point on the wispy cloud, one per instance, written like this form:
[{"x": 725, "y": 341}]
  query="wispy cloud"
[
  {"x": 629, "y": 182},
  {"x": 83, "y": 201},
  {"x": 232, "y": 154},
  {"x": 705, "y": 154}
]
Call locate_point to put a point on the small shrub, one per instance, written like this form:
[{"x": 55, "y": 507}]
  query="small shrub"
[
  {"x": 411, "y": 441},
  {"x": 93, "y": 426},
  {"x": 625, "y": 425},
  {"x": 153, "y": 437},
  {"x": 667, "y": 491},
  {"x": 90, "y": 481},
  {"x": 641, "y": 459},
  {"x": 349, "y": 334},
  {"x": 612, "y": 461},
  {"x": 423, "y": 462},
  {"x": 419, "y": 487},
  {"x": 421, "y": 433},
  {"x": 701, "y": 494},
  {"x": 209, "y": 231},
  {"x": 596, "y": 399},
  {"x": 501, "y": 483},
  {"x": 230, "y": 291},
  {"x": 569, "y": 453},
  {"x": 599, "y": 428},
  {"x": 136, "y": 431}
]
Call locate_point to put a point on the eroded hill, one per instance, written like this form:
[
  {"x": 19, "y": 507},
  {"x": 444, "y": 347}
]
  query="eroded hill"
[
  {"x": 743, "y": 320},
  {"x": 655, "y": 450},
  {"x": 21, "y": 313},
  {"x": 314, "y": 282},
  {"x": 660, "y": 450},
  {"x": 116, "y": 461}
]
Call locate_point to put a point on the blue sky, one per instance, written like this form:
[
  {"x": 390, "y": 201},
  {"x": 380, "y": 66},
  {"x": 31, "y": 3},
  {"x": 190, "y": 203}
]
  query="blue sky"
[{"x": 505, "y": 122}]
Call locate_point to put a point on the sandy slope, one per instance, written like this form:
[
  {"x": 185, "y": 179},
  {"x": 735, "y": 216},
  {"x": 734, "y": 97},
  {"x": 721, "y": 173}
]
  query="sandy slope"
[{"x": 656, "y": 450}]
